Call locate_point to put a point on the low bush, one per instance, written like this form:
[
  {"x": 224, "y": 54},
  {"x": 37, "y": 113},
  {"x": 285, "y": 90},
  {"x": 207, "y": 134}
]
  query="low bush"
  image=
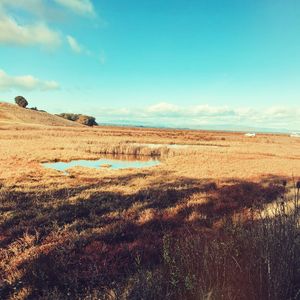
[
  {"x": 87, "y": 120},
  {"x": 259, "y": 259},
  {"x": 97, "y": 248},
  {"x": 82, "y": 119}
]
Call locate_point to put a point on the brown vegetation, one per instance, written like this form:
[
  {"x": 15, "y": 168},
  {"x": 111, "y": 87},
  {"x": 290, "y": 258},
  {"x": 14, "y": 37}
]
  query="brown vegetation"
[{"x": 189, "y": 228}]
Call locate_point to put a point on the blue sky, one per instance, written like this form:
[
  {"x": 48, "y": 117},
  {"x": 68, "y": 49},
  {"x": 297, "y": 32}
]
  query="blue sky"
[{"x": 196, "y": 64}]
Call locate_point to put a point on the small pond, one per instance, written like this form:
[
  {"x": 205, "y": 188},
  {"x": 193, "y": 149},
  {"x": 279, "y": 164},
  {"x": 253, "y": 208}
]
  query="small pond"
[{"x": 104, "y": 163}]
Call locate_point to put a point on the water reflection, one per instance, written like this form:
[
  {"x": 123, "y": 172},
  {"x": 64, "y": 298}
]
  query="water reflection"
[{"x": 112, "y": 162}]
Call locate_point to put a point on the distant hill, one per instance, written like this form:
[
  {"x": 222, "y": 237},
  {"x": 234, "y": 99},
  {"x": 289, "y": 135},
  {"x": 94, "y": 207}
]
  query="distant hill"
[
  {"x": 13, "y": 114},
  {"x": 210, "y": 127}
]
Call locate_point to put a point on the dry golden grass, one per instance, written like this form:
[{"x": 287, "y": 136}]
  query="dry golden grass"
[
  {"x": 61, "y": 232},
  {"x": 13, "y": 114},
  {"x": 214, "y": 155}
]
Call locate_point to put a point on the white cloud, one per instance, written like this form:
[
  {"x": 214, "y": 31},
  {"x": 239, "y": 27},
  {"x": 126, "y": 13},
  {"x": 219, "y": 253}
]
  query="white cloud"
[
  {"x": 204, "y": 116},
  {"x": 83, "y": 7},
  {"x": 279, "y": 112},
  {"x": 208, "y": 110},
  {"x": 74, "y": 45},
  {"x": 163, "y": 107},
  {"x": 26, "y": 82},
  {"x": 31, "y": 27},
  {"x": 35, "y": 7},
  {"x": 13, "y": 33}
]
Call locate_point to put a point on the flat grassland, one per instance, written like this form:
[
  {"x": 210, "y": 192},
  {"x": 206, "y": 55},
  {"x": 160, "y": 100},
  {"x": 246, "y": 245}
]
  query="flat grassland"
[{"x": 67, "y": 235}]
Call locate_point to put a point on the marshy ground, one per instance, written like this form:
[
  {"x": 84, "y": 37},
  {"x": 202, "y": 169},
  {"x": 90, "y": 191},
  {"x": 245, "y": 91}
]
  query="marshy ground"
[{"x": 128, "y": 234}]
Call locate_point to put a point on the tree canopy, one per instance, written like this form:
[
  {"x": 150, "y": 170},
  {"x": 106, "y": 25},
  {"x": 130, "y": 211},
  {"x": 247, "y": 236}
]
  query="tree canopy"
[{"x": 21, "y": 101}]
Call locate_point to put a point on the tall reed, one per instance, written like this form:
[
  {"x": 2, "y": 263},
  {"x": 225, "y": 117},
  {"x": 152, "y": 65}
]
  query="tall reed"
[{"x": 257, "y": 259}]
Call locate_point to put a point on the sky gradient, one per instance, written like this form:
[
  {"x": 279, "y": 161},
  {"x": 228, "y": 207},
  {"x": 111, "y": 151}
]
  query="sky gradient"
[{"x": 198, "y": 64}]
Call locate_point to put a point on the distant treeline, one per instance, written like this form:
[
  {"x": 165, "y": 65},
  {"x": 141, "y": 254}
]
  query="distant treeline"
[{"x": 82, "y": 119}]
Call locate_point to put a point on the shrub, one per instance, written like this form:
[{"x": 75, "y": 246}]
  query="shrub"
[
  {"x": 21, "y": 101},
  {"x": 258, "y": 259},
  {"x": 87, "y": 120},
  {"x": 71, "y": 117},
  {"x": 82, "y": 119}
]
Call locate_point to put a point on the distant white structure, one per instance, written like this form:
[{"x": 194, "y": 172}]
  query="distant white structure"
[
  {"x": 250, "y": 134},
  {"x": 295, "y": 134}
]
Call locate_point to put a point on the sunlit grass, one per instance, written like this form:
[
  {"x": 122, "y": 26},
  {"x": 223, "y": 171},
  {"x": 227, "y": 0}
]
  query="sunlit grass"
[{"x": 100, "y": 233}]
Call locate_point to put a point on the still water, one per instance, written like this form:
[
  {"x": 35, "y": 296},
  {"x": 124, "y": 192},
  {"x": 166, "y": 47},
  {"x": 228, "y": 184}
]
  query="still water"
[{"x": 104, "y": 163}]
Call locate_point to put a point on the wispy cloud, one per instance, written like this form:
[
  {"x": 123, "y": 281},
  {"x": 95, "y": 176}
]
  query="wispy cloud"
[
  {"x": 83, "y": 7},
  {"x": 25, "y": 82},
  {"x": 77, "y": 48},
  {"x": 74, "y": 45},
  {"x": 14, "y": 33},
  {"x": 163, "y": 107},
  {"x": 19, "y": 31}
]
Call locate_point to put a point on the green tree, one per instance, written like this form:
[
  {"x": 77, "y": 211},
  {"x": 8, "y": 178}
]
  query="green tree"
[
  {"x": 87, "y": 120},
  {"x": 21, "y": 101}
]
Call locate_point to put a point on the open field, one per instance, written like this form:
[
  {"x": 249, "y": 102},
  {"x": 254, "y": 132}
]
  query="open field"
[
  {"x": 90, "y": 234},
  {"x": 149, "y": 150}
]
